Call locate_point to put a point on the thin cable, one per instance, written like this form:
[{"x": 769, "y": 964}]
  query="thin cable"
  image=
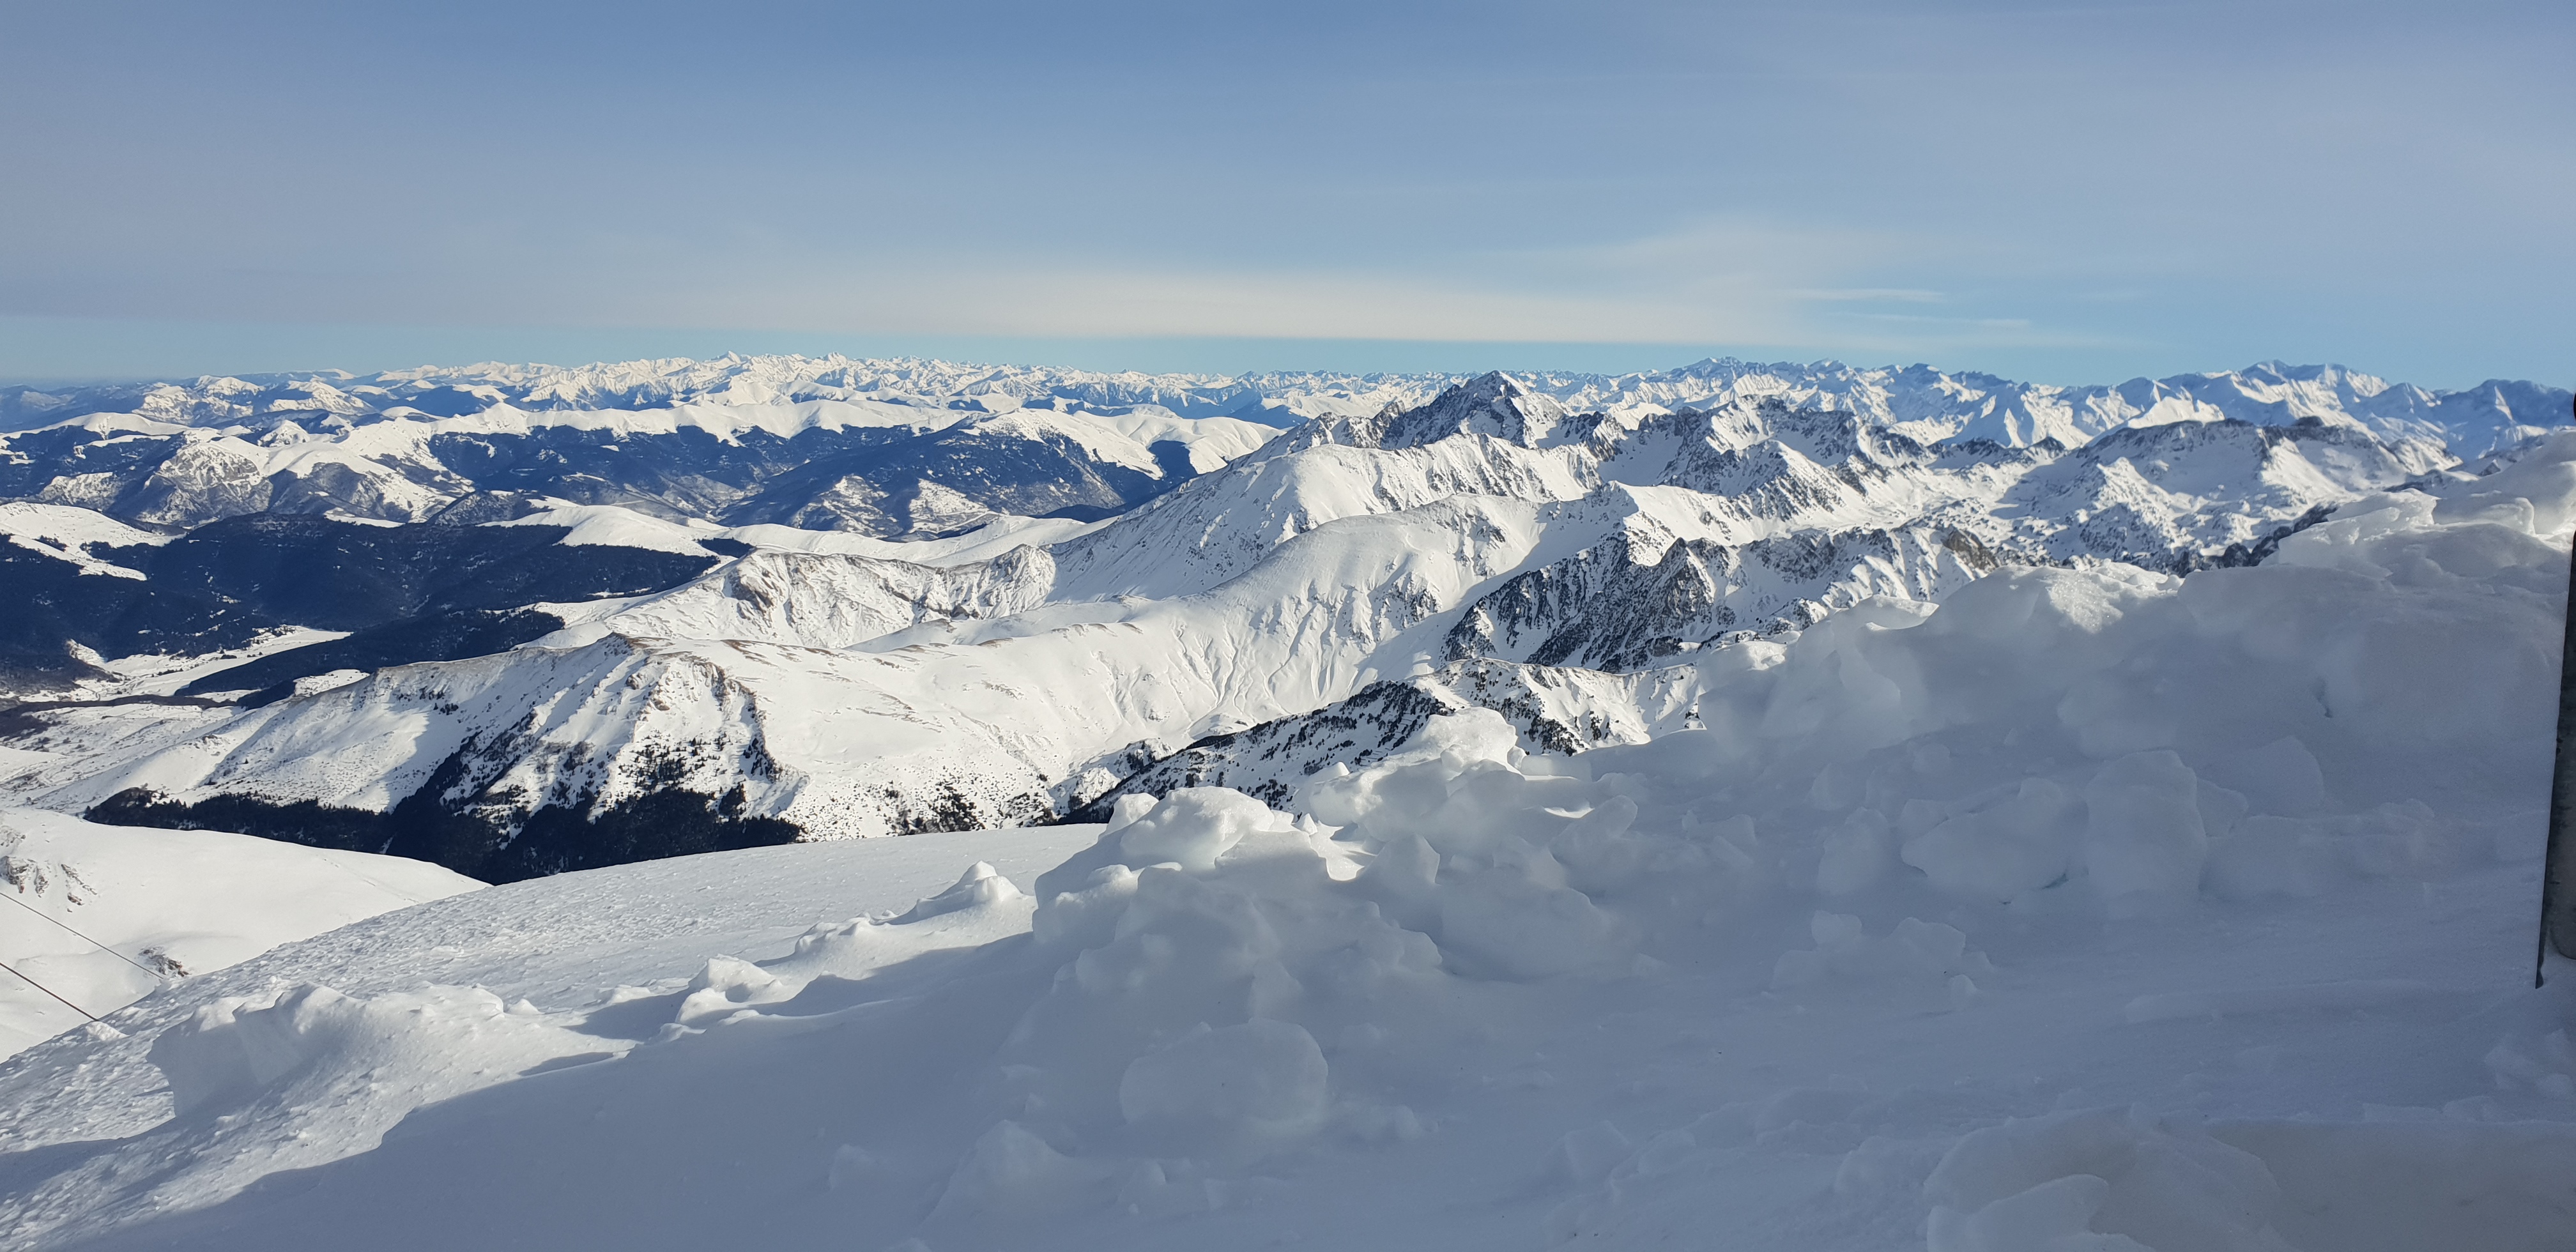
[
  {"x": 50, "y": 991},
  {"x": 12, "y": 897}
]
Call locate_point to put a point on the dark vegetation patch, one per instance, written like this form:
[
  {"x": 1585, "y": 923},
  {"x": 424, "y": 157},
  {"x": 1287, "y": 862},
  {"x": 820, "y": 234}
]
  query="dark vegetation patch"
[
  {"x": 417, "y": 592},
  {"x": 656, "y": 824},
  {"x": 341, "y": 576},
  {"x": 19, "y": 720},
  {"x": 51, "y": 604},
  {"x": 308, "y": 822},
  {"x": 440, "y": 637},
  {"x": 668, "y": 822}
]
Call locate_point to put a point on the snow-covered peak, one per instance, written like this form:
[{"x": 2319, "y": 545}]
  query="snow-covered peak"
[{"x": 1493, "y": 404}]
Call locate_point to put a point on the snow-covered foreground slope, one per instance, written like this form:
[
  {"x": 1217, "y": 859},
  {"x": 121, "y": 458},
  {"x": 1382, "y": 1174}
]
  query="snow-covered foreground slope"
[
  {"x": 2094, "y": 908},
  {"x": 166, "y": 905}
]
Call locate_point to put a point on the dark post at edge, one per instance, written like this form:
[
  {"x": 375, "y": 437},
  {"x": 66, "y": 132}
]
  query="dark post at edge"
[{"x": 2558, "y": 862}]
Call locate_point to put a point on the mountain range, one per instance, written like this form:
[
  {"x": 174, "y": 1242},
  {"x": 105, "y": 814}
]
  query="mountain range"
[{"x": 517, "y": 620}]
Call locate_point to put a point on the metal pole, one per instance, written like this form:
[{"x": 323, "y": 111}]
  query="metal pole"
[{"x": 2558, "y": 862}]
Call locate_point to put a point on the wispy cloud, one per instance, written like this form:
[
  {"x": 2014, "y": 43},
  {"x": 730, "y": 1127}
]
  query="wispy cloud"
[{"x": 1748, "y": 284}]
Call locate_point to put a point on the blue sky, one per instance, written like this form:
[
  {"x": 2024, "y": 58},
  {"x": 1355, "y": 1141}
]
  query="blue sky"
[{"x": 2058, "y": 191}]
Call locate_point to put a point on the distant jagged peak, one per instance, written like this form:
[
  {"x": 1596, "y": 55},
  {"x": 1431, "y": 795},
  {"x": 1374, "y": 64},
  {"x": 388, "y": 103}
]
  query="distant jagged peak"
[
  {"x": 1825, "y": 435},
  {"x": 1492, "y": 404}
]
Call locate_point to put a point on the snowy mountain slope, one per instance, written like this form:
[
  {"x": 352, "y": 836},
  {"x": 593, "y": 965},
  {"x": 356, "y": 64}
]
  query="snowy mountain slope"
[
  {"x": 2144, "y": 490},
  {"x": 526, "y": 762},
  {"x": 963, "y": 720},
  {"x": 1932, "y": 406},
  {"x": 69, "y": 534},
  {"x": 1627, "y": 602},
  {"x": 168, "y": 905},
  {"x": 1770, "y": 536},
  {"x": 2093, "y": 907},
  {"x": 1755, "y": 472},
  {"x": 1222, "y": 524},
  {"x": 421, "y": 592},
  {"x": 1623, "y": 605},
  {"x": 833, "y": 600}
]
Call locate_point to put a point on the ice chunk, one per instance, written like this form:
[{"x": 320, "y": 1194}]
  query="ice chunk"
[
  {"x": 2281, "y": 777},
  {"x": 980, "y": 886},
  {"x": 2143, "y": 841},
  {"x": 1856, "y": 854},
  {"x": 2270, "y": 856},
  {"x": 1510, "y": 921},
  {"x": 1084, "y": 915},
  {"x": 1927, "y": 954},
  {"x": 1012, "y": 1168},
  {"x": 2100, "y": 1180},
  {"x": 2546, "y": 1065},
  {"x": 727, "y": 984},
  {"x": 1192, "y": 827},
  {"x": 2003, "y": 851},
  {"x": 1262, "y": 1076}
]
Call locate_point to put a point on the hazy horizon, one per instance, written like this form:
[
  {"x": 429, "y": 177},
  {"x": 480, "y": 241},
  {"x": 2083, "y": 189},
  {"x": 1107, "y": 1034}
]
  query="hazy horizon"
[{"x": 1107, "y": 365}]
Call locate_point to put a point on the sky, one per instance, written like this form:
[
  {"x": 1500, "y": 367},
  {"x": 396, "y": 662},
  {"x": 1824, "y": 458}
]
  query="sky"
[{"x": 2061, "y": 192}]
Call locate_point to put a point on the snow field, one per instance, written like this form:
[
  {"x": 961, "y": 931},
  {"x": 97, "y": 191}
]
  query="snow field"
[
  {"x": 2092, "y": 909},
  {"x": 168, "y": 904},
  {"x": 65, "y": 533}
]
